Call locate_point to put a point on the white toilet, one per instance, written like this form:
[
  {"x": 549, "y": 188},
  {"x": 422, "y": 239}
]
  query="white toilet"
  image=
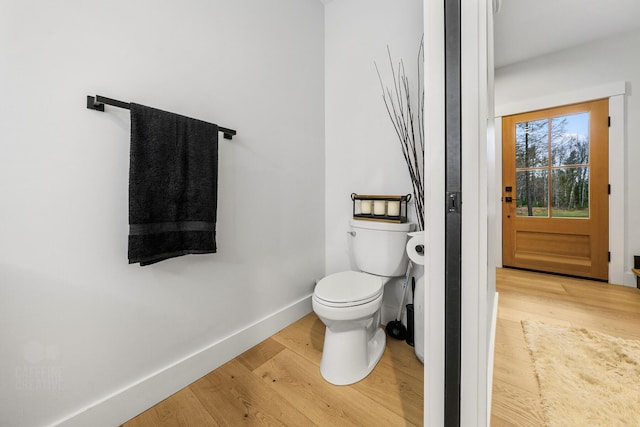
[{"x": 349, "y": 303}]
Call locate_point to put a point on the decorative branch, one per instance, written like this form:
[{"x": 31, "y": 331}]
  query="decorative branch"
[{"x": 408, "y": 127}]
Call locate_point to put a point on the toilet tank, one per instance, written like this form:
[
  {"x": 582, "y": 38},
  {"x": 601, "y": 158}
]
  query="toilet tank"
[{"x": 380, "y": 247}]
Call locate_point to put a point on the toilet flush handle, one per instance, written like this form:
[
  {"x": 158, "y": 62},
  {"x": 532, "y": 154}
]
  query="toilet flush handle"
[{"x": 351, "y": 233}]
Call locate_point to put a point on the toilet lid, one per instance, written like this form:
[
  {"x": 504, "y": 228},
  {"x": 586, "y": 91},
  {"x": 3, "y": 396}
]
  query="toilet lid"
[{"x": 349, "y": 287}]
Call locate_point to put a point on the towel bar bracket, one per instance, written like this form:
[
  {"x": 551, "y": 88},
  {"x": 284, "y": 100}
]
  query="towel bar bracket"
[
  {"x": 93, "y": 105},
  {"x": 98, "y": 102}
]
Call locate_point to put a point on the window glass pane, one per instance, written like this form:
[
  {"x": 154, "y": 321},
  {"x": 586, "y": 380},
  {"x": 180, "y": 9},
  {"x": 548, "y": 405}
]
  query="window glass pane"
[
  {"x": 532, "y": 193},
  {"x": 532, "y": 143},
  {"x": 570, "y": 139},
  {"x": 570, "y": 198}
]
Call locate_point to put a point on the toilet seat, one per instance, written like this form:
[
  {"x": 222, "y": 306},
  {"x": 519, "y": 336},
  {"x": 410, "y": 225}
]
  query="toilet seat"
[{"x": 348, "y": 289}]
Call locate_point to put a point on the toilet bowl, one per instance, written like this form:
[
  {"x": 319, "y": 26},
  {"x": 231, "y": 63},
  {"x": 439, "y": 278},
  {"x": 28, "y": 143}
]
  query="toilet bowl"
[
  {"x": 349, "y": 302},
  {"x": 353, "y": 340}
]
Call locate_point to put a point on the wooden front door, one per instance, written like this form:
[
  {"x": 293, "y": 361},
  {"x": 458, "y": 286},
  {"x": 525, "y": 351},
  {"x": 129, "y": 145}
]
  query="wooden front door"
[{"x": 555, "y": 199}]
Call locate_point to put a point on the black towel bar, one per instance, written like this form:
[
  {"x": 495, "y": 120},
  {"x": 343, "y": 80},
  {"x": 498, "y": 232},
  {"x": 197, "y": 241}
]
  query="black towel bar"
[{"x": 98, "y": 102}]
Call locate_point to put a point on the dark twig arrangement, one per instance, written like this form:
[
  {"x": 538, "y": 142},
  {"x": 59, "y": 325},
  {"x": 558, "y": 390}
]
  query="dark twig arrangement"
[{"x": 408, "y": 126}]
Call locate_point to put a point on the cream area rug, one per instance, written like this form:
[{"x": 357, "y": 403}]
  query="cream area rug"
[{"x": 586, "y": 378}]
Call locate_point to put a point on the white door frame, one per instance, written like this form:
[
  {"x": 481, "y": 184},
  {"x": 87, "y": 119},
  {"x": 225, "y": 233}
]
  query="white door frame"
[
  {"x": 434, "y": 213},
  {"x": 478, "y": 290}
]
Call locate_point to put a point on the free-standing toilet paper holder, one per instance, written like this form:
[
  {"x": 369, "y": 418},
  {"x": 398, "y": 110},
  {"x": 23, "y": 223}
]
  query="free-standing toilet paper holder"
[{"x": 416, "y": 252}]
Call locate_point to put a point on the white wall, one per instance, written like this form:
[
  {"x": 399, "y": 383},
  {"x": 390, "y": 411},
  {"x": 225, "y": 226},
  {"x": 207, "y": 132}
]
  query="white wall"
[
  {"x": 579, "y": 68},
  {"x": 77, "y": 323},
  {"x": 363, "y": 153}
]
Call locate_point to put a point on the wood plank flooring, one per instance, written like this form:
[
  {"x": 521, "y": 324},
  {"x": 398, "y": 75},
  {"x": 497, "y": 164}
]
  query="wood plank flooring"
[
  {"x": 278, "y": 383},
  {"x": 610, "y": 309}
]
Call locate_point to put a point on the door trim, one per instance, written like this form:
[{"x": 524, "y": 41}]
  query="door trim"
[
  {"x": 434, "y": 129},
  {"x": 606, "y": 90},
  {"x": 616, "y": 92}
]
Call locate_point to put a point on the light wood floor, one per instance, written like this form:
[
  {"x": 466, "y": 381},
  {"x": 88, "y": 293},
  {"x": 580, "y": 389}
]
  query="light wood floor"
[
  {"x": 610, "y": 309},
  {"x": 278, "y": 383}
]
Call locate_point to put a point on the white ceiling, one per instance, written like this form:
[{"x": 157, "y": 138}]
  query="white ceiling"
[{"x": 525, "y": 29}]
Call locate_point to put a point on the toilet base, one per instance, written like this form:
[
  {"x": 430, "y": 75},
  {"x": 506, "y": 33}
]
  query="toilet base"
[{"x": 348, "y": 356}]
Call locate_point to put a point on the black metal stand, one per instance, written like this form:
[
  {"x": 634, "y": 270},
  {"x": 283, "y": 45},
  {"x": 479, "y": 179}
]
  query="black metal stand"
[{"x": 98, "y": 102}]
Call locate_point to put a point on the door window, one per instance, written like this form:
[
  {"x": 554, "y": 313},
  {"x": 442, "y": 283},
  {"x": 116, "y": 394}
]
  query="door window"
[{"x": 558, "y": 188}]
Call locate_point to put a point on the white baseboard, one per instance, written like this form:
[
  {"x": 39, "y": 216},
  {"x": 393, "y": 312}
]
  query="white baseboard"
[
  {"x": 135, "y": 398},
  {"x": 492, "y": 346}
]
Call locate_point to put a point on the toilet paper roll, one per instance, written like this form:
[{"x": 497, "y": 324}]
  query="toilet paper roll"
[{"x": 415, "y": 248}]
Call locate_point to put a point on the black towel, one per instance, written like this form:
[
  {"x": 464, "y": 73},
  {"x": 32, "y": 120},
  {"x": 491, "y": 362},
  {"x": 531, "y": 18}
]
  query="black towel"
[{"x": 173, "y": 184}]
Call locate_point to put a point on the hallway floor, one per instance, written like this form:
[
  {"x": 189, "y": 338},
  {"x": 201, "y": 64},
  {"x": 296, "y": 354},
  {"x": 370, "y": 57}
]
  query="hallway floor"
[{"x": 557, "y": 300}]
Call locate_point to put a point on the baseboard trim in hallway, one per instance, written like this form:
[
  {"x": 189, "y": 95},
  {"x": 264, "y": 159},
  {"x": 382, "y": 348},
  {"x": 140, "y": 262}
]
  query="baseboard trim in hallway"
[{"x": 492, "y": 346}]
